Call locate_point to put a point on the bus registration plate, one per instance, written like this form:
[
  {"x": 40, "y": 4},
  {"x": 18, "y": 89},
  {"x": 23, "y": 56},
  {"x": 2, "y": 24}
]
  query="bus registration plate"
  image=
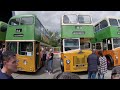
[{"x": 78, "y": 32}]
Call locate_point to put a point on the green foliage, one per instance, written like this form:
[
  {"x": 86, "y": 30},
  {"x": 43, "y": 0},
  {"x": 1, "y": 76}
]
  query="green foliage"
[{"x": 54, "y": 38}]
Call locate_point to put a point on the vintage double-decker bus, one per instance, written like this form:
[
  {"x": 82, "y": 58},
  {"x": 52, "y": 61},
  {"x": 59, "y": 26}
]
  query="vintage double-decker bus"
[
  {"x": 3, "y": 29},
  {"x": 76, "y": 33},
  {"x": 25, "y": 36},
  {"x": 107, "y": 39}
]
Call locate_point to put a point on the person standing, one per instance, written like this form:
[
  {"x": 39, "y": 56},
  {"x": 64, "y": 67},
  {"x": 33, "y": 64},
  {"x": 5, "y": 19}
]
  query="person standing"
[
  {"x": 102, "y": 68},
  {"x": 1, "y": 63},
  {"x": 93, "y": 62},
  {"x": 50, "y": 62}
]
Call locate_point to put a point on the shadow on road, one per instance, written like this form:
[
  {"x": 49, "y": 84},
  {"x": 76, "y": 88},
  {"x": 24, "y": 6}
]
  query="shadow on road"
[
  {"x": 56, "y": 71},
  {"x": 81, "y": 73}
]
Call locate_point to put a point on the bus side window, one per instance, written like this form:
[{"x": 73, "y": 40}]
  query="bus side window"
[
  {"x": 109, "y": 43},
  {"x": 93, "y": 46},
  {"x": 104, "y": 44},
  {"x": 98, "y": 46}
]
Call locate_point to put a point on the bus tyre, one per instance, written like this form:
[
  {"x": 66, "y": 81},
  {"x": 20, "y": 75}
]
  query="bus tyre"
[
  {"x": 109, "y": 62},
  {"x": 62, "y": 65}
]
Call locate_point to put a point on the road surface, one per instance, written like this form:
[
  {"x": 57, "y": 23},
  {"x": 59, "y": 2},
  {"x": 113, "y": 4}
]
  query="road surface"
[{"x": 41, "y": 74}]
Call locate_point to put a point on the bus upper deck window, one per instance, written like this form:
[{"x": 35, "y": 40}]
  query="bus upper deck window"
[
  {"x": 70, "y": 19},
  {"x": 14, "y": 21},
  {"x": 119, "y": 21},
  {"x": 65, "y": 19},
  {"x": 27, "y": 20},
  {"x": 113, "y": 22},
  {"x": 84, "y": 19}
]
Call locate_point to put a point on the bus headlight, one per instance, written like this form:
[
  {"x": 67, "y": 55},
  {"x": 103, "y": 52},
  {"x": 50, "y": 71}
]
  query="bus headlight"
[
  {"x": 25, "y": 62},
  {"x": 116, "y": 57},
  {"x": 68, "y": 61}
]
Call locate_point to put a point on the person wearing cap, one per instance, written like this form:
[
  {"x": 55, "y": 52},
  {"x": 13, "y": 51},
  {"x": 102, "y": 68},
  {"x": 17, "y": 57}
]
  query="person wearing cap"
[
  {"x": 93, "y": 62},
  {"x": 66, "y": 75},
  {"x": 115, "y": 73}
]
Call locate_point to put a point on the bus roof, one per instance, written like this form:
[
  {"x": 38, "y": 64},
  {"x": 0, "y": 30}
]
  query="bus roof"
[
  {"x": 23, "y": 15},
  {"x": 106, "y": 18}
]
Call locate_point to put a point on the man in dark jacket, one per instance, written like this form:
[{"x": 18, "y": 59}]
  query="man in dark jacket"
[
  {"x": 1, "y": 64},
  {"x": 93, "y": 62},
  {"x": 9, "y": 65}
]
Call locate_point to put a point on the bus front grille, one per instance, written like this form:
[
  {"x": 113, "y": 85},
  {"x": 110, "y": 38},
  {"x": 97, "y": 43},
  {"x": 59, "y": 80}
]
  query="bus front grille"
[{"x": 78, "y": 60}]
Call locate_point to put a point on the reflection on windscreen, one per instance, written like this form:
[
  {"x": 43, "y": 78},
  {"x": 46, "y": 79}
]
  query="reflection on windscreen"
[
  {"x": 84, "y": 19},
  {"x": 71, "y": 44},
  {"x": 113, "y": 22},
  {"x": 85, "y": 45},
  {"x": 14, "y": 21},
  {"x": 26, "y": 20},
  {"x": 22, "y": 21},
  {"x": 12, "y": 46},
  {"x": 70, "y": 19}
]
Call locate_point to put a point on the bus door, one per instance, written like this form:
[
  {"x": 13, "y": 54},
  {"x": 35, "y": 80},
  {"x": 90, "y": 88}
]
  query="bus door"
[{"x": 37, "y": 58}]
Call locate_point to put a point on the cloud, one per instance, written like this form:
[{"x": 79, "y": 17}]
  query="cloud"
[{"x": 51, "y": 19}]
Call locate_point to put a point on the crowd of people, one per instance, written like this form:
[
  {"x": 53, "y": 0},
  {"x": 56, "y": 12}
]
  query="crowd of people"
[{"x": 97, "y": 65}]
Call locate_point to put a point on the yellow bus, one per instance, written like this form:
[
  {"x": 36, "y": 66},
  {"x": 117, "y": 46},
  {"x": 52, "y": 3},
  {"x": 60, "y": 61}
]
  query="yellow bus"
[
  {"x": 76, "y": 33},
  {"x": 26, "y": 36}
]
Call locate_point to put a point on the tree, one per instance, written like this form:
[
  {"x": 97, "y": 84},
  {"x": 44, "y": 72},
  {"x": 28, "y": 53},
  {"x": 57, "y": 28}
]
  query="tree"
[{"x": 54, "y": 38}]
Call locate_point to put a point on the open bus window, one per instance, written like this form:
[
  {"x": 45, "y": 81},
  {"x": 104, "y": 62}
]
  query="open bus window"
[
  {"x": 116, "y": 42},
  {"x": 71, "y": 44},
  {"x": 27, "y": 20},
  {"x": 84, "y": 19},
  {"x": 12, "y": 46},
  {"x": 14, "y": 21},
  {"x": 67, "y": 19},
  {"x": 26, "y": 48},
  {"x": 98, "y": 46},
  {"x": 113, "y": 22}
]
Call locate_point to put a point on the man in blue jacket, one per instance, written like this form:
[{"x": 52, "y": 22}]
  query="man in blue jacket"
[{"x": 93, "y": 62}]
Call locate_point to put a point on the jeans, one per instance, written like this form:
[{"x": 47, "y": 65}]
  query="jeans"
[
  {"x": 46, "y": 64},
  {"x": 100, "y": 76},
  {"x": 91, "y": 75},
  {"x": 50, "y": 66}
]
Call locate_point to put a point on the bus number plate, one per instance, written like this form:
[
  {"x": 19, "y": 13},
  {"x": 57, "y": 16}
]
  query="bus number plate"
[{"x": 78, "y": 32}]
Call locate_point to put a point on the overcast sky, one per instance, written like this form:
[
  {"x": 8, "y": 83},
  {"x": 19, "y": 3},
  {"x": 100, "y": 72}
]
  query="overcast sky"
[{"x": 51, "y": 19}]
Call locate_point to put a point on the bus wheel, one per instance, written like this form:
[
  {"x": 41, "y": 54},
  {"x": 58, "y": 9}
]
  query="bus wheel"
[
  {"x": 109, "y": 62},
  {"x": 62, "y": 65}
]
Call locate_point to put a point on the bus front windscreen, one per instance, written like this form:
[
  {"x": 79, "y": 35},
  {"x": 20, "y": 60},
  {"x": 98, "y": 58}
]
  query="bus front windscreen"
[
  {"x": 71, "y": 44},
  {"x": 85, "y": 45}
]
